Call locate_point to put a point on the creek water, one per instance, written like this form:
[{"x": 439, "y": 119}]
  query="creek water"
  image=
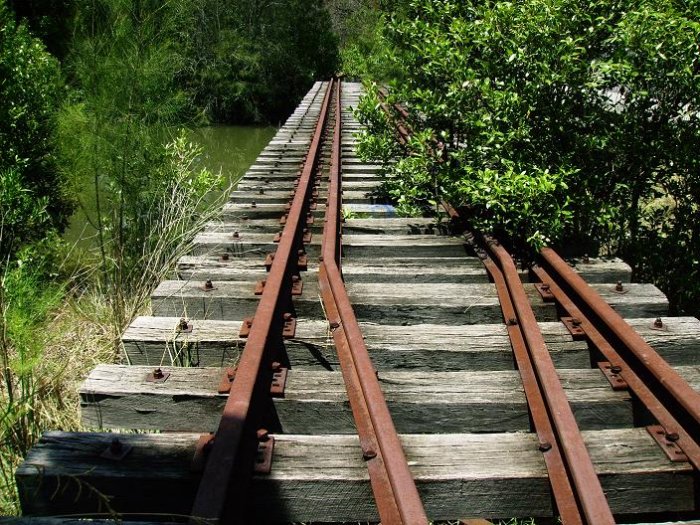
[{"x": 228, "y": 149}]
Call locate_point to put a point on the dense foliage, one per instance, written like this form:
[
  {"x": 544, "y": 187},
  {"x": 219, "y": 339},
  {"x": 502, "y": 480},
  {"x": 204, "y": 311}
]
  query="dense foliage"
[
  {"x": 358, "y": 24},
  {"x": 49, "y": 20},
  {"x": 32, "y": 195},
  {"x": 552, "y": 119},
  {"x": 251, "y": 61}
]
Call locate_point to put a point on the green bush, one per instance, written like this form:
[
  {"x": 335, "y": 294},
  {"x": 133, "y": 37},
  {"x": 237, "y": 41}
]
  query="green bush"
[
  {"x": 248, "y": 65},
  {"x": 33, "y": 196},
  {"x": 554, "y": 120}
]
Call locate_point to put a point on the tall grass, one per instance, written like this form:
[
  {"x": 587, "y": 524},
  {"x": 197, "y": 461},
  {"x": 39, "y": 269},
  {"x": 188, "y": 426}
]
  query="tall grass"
[{"x": 53, "y": 333}]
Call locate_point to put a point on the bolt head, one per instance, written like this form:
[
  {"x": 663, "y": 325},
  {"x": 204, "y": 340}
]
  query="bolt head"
[
  {"x": 208, "y": 284},
  {"x": 369, "y": 454},
  {"x": 115, "y": 446},
  {"x": 658, "y": 323},
  {"x": 545, "y": 446}
]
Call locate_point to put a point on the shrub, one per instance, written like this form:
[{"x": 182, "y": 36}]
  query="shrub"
[
  {"x": 555, "y": 119},
  {"x": 33, "y": 196}
]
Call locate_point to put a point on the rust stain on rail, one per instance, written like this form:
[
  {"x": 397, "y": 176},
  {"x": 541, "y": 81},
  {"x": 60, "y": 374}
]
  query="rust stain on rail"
[
  {"x": 395, "y": 492},
  {"x": 221, "y": 495}
]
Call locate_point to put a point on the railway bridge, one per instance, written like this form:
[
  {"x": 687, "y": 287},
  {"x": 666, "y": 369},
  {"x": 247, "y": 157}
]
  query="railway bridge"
[{"x": 317, "y": 358}]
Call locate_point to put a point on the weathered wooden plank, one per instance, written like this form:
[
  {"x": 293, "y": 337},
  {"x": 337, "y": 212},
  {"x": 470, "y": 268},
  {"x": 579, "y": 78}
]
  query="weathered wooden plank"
[
  {"x": 274, "y": 185},
  {"x": 602, "y": 269},
  {"x": 232, "y": 211},
  {"x": 369, "y": 210},
  {"x": 414, "y": 303},
  {"x": 357, "y": 270},
  {"x": 356, "y": 167},
  {"x": 216, "y": 268},
  {"x": 323, "y": 478},
  {"x": 227, "y": 300},
  {"x": 117, "y": 396},
  {"x": 282, "y": 197},
  {"x": 155, "y": 341},
  {"x": 678, "y": 342},
  {"x": 353, "y": 245},
  {"x": 461, "y": 270},
  {"x": 410, "y": 304}
]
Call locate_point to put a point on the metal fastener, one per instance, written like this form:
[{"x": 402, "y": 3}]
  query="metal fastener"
[
  {"x": 115, "y": 447},
  {"x": 545, "y": 446},
  {"x": 369, "y": 454}
]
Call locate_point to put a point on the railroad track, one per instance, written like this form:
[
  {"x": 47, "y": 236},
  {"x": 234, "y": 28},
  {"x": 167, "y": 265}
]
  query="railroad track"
[{"x": 429, "y": 382}]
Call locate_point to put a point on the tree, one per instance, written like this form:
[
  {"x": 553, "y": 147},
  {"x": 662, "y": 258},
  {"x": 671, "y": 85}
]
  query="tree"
[
  {"x": 254, "y": 62},
  {"x": 30, "y": 90},
  {"x": 556, "y": 119}
]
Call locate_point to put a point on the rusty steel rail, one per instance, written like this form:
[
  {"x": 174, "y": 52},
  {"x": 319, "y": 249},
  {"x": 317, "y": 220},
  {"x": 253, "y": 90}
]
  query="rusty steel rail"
[
  {"x": 576, "y": 488},
  {"x": 395, "y": 492},
  {"x": 562, "y": 489},
  {"x": 673, "y": 403},
  {"x": 402, "y": 132},
  {"x": 593, "y": 505},
  {"x": 222, "y": 492},
  {"x": 628, "y": 362}
]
